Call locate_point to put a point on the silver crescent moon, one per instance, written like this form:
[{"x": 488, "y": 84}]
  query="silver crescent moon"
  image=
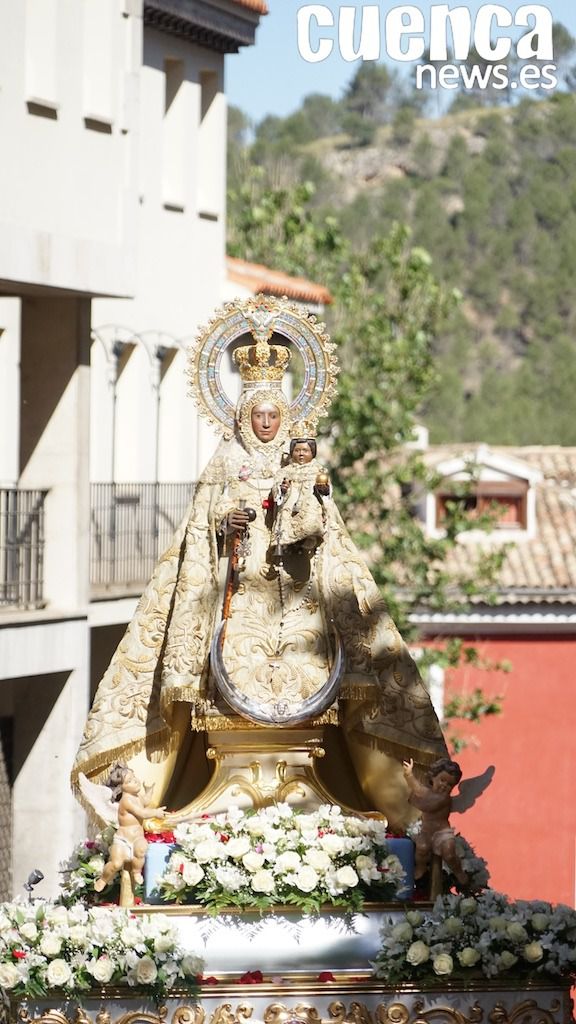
[{"x": 281, "y": 713}]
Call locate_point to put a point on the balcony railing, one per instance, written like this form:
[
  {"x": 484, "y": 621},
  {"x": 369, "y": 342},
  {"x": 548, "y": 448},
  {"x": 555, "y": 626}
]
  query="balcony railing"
[
  {"x": 21, "y": 547},
  {"x": 131, "y": 524}
]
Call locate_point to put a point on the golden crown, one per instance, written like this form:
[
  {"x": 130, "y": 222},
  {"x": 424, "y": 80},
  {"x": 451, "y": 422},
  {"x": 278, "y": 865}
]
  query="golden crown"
[{"x": 262, "y": 361}]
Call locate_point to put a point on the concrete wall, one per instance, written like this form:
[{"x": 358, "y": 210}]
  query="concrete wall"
[
  {"x": 115, "y": 189},
  {"x": 69, "y": 78},
  {"x": 524, "y": 825}
]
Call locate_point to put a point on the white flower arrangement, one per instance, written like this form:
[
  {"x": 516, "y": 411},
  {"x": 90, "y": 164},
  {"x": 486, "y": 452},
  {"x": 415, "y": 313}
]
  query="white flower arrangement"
[
  {"x": 84, "y": 866},
  {"x": 475, "y": 866},
  {"x": 46, "y": 946},
  {"x": 485, "y": 935},
  {"x": 279, "y": 855}
]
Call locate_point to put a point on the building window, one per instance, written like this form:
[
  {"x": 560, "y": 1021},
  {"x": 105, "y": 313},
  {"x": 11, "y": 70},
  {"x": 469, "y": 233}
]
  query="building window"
[
  {"x": 174, "y": 141},
  {"x": 40, "y": 65},
  {"x": 504, "y": 501}
]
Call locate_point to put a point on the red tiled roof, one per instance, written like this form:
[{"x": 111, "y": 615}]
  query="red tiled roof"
[
  {"x": 543, "y": 566},
  {"x": 258, "y": 278},
  {"x": 253, "y": 5}
]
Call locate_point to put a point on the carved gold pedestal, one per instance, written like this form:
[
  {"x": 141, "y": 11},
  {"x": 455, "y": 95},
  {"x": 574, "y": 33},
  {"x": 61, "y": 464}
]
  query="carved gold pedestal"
[{"x": 256, "y": 767}]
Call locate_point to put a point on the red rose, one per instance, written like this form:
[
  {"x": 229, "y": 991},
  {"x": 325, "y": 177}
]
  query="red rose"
[
  {"x": 251, "y": 978},
  {"x": 326, "y": 976},
  {"x": 18, "y": 954}
]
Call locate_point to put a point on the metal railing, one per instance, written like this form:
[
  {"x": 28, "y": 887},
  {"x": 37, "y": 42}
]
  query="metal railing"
[
  {"x": 131, "y": 524},
  {"x": 21, "y": 547}
]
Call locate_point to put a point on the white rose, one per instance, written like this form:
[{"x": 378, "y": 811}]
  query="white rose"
[
  {"x": 507, "y": 959},
  {"x": 191, "y": 965},
  {"x": 289, "y": 861},
  {"x": 347, "y": 877},
  {"x": 96, "y": 864},
  {"x": 5, "y": 923},
  {"x": 9, "y": 975},
  {"x": 78, "y": 936},
  {"x": 163, "y": 943},
  {"x": 263, "y": 881},
  {"x": 236, "y": 848},
  {"x": 101, "y": 969},
  {"x": 56, "y": 915},
  {"x": 453, "y": 925},
  {"x": 50, "y": 944},
  {"x": 540, "y": 922},
  {"x": 252, "y": 861},
  {"x": 402, "y": 932},
  {"x": 29, "y": 931},
  {"x": 417, "y": 953},
  {"x": 306, "y": 879},
  {"x": 516, "y": 932},
  {"x": 210, "y": 849},
  {"x": 192, "y": 873},
  {"x": 58, "y": 973},
  {"x": 533, "y": 952},
  {"x": 498, "y": 924},
  {"x": 414, "y": 917},
  {"x": 468, "y": 906},
  {"x": 443, "y": 964},
  {"x": 317, "y": 859},
  {"x": 130, "y": 935},
  {"x": 364, "y": 863},
  {"x": 468, "y": 956},
  {"x": 77, "y": 914},
  {"x": 146, "y": 971},
  {"x": 331, "y": 843}
]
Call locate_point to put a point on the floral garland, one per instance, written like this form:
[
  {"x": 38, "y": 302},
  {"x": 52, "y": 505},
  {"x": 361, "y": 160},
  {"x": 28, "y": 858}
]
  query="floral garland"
[
  {"x": 487, "y": 935},
  {"x": 84, "y": 865},
  {"x": 279, "y": 855},
  {"x": 46, "y": 946}
]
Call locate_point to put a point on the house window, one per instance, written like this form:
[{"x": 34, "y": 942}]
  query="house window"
[{"x": 504, "y": 501}]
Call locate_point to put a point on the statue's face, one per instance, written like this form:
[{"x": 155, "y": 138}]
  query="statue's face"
[
  {"x": 265, "y": 421},
  {"x": 302, "y": 453}
]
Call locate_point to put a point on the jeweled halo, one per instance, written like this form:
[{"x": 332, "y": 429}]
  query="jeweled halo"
[{"x": 262, "y": 316}]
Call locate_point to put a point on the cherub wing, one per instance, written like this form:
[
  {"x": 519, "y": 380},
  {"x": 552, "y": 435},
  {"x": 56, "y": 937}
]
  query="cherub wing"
[
  {"x": 470, "y": 789},
  {"x": 98, "y": 798}
]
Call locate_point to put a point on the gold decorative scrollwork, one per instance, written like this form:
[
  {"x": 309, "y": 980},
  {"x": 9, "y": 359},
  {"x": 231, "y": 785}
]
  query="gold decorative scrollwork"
[
  {"x": 224, "y": 1014},
  {"x": 189, "y": 1015},
  {"x": 357, "y": 1014},
  {"x": 277, "y": 1013},
  {"x": 399, "y": 1013},
  {"x": 527, "y": 1011},
  {"x": 135, "y": 1016}
]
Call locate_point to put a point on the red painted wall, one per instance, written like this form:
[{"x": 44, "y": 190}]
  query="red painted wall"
[{"x": 525, "y": 823}]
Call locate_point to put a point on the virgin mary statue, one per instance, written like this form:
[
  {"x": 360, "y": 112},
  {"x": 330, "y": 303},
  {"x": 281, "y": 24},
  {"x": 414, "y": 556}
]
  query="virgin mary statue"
[{"x": 261, "y": 663}]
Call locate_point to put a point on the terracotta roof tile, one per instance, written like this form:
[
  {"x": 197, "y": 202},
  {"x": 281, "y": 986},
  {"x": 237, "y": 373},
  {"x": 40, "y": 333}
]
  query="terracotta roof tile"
[
  {"x": 543, "y": 564},
  {"x": 253, "y": 5},
  {"x": 258, "y": 278}
]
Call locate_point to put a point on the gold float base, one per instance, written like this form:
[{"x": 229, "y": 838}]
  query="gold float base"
[{"x": 357, "y": 1001}]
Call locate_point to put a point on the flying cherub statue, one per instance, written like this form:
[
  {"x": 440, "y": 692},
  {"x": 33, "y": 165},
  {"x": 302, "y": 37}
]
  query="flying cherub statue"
[
  {"x": 434, "y": 798},
  {"x": 119, "y": 803}
]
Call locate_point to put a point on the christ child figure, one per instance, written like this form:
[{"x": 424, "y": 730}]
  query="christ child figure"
[
  {"x": 297, "y": 495},
  {"x": 435, "y": 801}
]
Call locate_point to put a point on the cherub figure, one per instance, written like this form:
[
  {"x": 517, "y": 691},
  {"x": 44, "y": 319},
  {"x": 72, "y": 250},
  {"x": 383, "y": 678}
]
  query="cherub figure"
[
  {"x": 434, "y": 799},
  {"x": 124, "y": 804}
]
